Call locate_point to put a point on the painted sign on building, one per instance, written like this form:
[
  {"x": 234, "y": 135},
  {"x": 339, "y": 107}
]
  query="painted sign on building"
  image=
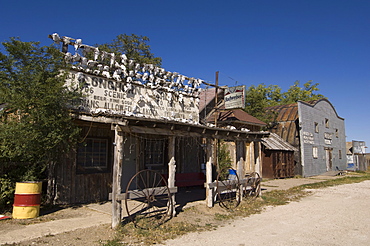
[
  {"x": 118, "y": 98},
  {"x": 308, "y": 138},
  {"x": 115, "y": 85},
  {"x": 328, "y": 137},
  {"x": 358, "y": 147},
  {"x": 234, "y": 97}
]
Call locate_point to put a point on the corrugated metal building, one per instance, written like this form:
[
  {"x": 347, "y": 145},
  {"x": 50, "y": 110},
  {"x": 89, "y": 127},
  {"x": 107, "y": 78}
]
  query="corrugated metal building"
[{"x": 317, "y": 131}]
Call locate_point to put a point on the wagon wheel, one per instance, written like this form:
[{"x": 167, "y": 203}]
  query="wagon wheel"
[
  {"x": 228, "y": 190},
  {"x": 148, "y": 199},
  {"x": 253, "y": 185}
]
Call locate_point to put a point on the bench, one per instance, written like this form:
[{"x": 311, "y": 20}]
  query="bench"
[{"x": 188, "y": 179}]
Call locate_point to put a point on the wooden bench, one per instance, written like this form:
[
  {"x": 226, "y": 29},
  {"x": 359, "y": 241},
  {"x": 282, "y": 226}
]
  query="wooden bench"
[{"x": 188, "y": 179}]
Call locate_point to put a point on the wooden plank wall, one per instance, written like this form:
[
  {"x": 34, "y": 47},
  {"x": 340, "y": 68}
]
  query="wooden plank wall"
[
  {"x": 278, "y": 164},
  {"x": 71, "y": 187}
]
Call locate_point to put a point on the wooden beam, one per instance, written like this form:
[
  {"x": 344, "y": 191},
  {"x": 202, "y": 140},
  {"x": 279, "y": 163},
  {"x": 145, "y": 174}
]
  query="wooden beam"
[{"x": 132, "y": 194}]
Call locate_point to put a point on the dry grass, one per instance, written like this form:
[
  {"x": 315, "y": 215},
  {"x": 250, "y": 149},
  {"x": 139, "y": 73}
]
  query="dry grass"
[{"x": 198, "y": 218}]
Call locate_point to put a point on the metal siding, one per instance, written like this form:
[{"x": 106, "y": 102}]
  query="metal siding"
[
  {"x": 307, "y": 113},
  {"x": 318, "y": 113}
]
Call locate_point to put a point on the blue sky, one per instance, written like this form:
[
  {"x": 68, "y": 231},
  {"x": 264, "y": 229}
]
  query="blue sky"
[{"x": 248, "y": 41}]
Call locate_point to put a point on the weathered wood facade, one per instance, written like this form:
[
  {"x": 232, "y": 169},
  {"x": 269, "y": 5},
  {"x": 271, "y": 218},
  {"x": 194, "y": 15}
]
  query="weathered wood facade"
[
  {"x": 278, "y": 164},
  {"x": 139, "y": 117},
  {"x": 74, "y": 183},
  {"x": 277, "y": 157}
]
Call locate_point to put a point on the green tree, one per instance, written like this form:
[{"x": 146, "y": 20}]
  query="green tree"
[
  {"x": 262, "y": 96},
  {"x": 305, "y": 93},
  {"x": 258, "y": 98},
  {"x": 35, "y": 122},
  {"x": 134, "y": 47},
  {"x": 223, "y": 159}
]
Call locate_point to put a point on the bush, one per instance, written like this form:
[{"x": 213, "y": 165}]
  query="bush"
[{"x": 10, "y": 174}]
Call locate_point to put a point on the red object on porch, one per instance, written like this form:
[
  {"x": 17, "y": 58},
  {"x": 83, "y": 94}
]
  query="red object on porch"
[{"x": 188, "y": 179}]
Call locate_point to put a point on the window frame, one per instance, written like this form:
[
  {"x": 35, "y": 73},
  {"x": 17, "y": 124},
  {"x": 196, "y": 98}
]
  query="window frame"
[
  {"x": 95, "y": 150},
  {"x": 155, "y": 153},
  {"x": 326, "y": 122},
  {"x": 315, "y": 153},
  {"x": 316, "y": 126}
]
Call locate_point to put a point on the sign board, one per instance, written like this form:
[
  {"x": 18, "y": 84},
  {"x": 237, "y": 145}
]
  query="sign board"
[
  {"x": 113, "y": 97},
  {"x": 358, "y": 147},
  {"x": 234, "y": 97}
]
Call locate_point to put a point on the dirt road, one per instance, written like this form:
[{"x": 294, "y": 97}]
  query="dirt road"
[{"x": 332, "y": 216}]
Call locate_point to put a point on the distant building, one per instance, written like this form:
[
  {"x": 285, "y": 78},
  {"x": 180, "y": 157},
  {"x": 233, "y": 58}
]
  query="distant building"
[
  {"x": 318, "y": 133},
  {"x": 233, "y": 119},
  {"x": 356, "y": 156}
]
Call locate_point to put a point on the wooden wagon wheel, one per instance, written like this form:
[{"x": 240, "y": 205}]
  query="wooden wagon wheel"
[
  {"x": 148, "y": 199},
  {"x": 253, "y": 185},
  {"x": 228, "y": 190}
]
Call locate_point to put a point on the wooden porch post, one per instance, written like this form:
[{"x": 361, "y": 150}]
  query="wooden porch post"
[
  {"x": 209, "y": 191},
  {"x": 172, "y": 169},
  {"x": 240, "y": 157},
  {"x": 117, "y": 173},
  {"x": 257, "y": 146}
]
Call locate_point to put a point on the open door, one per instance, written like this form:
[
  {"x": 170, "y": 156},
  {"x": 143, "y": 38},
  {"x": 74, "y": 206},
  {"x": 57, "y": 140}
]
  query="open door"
[{"x": 329, "y": 160}]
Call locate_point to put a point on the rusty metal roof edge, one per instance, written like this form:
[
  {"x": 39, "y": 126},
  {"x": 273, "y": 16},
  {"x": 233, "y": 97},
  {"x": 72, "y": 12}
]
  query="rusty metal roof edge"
[{"x": 274, "y": 142}]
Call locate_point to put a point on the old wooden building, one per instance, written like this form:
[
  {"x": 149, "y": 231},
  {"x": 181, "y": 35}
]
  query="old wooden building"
[
  {"x": 137, "y": 117},
  {"x": 318, "y": 133},
  {"x": 277, "y": 157},
  {"x": 213, "y": 112}
]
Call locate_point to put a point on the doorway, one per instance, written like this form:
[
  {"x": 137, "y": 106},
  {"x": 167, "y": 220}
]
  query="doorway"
[
  {"x": 329, "y": 160},
  {"x": 129, "y": 163}
]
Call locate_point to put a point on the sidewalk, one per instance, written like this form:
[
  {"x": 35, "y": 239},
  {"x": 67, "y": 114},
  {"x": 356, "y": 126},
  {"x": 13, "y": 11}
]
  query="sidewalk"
[
  {"x": 284, "y": 184},
  {"x": 98, "y": 214},
  {"x": 93, "y": 215}
]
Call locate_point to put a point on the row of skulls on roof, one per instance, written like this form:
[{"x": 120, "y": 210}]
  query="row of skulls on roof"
[{"x": 122, "y": 69}]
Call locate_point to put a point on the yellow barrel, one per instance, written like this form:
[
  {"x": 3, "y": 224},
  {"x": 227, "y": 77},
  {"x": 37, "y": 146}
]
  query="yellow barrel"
[{"x": 27, "y": 198}]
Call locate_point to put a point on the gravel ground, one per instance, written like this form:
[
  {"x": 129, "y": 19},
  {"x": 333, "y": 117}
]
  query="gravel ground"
[{"x": 332, "y": 216}]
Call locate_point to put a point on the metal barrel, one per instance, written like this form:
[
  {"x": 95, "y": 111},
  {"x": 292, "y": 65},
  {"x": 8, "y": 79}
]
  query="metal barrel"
[{"x": 27, "y": 199}]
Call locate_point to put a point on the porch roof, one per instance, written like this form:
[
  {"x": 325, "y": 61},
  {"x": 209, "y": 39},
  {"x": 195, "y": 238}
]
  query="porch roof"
[{"x": 173, "y": 128}]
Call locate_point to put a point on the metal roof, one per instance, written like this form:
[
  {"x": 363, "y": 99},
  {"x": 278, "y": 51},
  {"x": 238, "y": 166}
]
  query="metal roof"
[
  {"x": 236, "y": 115},
  {"x": 287, "y": 120},
  {"x": 274, "y": 142},
  {"x": 286, "y": 128}
]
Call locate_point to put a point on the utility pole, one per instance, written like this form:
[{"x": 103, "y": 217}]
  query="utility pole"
[
  {"x": 215, "y": 141},
  {"x": 216, "y": 99}
]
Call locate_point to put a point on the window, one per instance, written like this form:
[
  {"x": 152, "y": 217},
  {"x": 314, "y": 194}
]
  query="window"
[
  {"x": 314, "y": 152},
  {"x": 327, "y": 123},
  {"x": 336, "y": 133},
  {"x": 154, "y": 154},
  {"x": 340, "y": 154},
  {"x": 316, "y": 127},
  {"x": 92, "y": 155}
]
